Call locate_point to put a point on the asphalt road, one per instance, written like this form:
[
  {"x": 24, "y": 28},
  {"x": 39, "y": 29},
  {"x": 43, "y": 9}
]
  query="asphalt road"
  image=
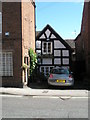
[{"x": 43, "y": 107}]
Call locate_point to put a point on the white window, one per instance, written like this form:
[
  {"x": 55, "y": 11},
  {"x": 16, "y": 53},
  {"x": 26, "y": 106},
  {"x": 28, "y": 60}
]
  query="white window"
[
  {"x": 42, "y": 69},
  {"x": 47, "y": 48},
  {"x": 7, "y": 64},
  {"x": 46, "y": 70}
]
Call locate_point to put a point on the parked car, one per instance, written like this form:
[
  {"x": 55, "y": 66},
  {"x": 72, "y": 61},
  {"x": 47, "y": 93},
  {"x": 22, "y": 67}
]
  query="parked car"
[{"x": 61, "y": 76}]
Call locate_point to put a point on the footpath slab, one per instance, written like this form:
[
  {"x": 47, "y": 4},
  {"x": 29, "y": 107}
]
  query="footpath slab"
[{"x": 43, "y": 92}]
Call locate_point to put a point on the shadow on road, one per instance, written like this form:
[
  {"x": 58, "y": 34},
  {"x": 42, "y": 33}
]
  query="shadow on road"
[{"x": 43, "y": 85}]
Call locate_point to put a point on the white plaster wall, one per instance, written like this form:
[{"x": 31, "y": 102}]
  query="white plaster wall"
[
  {"x": 58, "y": 44},
  {"x": 53, "y": 36},
  {"x": 47, "y": 32},
  {"x": 42, "y": 36},
  {"x": 47, "y": 61},
  {"x": 65, "y": 52},
  {"x": 57, "y": 52},
  {"x": 57, "y": 61},
  {"x": 65, "y": 61},
  {"x": 38, "y": 44}
]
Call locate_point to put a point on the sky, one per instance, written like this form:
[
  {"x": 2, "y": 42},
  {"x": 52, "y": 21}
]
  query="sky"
[{"x": 64, "y": 17}]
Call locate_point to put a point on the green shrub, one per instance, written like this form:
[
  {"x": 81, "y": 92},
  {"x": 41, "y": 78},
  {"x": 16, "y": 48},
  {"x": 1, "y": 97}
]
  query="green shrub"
[{"x": 33, "y": 60}]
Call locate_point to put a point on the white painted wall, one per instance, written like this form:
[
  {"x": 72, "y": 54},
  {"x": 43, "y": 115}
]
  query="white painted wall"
[
  {"x": 57, "y": 61},
  {"x": 57, "y": 52},
  {"x": 43, "y": 36},
  {"x": 58, "y": 44},
  {"x": 53, "y": 36},
  {"x": 38, "y": 44},
  {"x": 46, "y": 61},
  {"x": 65, "y": 61},
  {"x": 47, "y": 32},
  {"x": 65, "y": 52}
]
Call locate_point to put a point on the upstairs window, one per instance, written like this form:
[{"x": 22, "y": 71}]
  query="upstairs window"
[
  {"x": 44, "y": 47},
  {"x": 47, "y": 48}
]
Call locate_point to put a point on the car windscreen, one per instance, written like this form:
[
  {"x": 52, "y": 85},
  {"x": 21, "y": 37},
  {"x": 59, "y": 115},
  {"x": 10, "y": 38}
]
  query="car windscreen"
[{"x": 60, "y": 71}]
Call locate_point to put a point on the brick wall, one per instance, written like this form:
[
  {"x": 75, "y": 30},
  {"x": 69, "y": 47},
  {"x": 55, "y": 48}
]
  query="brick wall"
[
  {"x": 88, "y": 38},
  {"x": 11, "y": 19},
  {"x": 11, "y": 14},
  {"x": 28, "y": 28},
  {"x": 18, "y": 20},
  {"x": 83, "y": 42},
  {"x": 85, "y": 31},
  {"x": 79, "y": 48}
]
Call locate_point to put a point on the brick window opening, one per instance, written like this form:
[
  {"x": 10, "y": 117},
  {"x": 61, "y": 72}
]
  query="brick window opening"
[
  {"x": 26, "y": 60},
  {"x": 6, "y": 64}
]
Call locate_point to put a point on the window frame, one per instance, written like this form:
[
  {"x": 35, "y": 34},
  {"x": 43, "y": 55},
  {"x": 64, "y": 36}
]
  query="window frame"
[
  {"x": 47, "y": 49},
  {"x": 46, "y": 72},
  {"x": 7, "y": 64}
]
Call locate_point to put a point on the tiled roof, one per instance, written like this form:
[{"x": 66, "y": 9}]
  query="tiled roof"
[{"x": 71, "y": 43}]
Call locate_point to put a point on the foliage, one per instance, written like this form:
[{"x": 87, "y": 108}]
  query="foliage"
[{"x": 33, "y": 60}]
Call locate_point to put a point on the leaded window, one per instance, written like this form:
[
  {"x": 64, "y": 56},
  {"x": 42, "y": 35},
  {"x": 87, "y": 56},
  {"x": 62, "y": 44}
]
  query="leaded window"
[
  {"x": 6, "y": 64},
  {"x": 47, "y": 48}
]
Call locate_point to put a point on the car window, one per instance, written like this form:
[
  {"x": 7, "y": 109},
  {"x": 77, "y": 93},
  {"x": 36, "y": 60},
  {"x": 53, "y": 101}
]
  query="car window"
[{"x": 60, "y": 71}]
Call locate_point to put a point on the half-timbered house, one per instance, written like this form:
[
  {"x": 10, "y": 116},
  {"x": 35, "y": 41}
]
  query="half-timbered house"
[{"x": 52, "y": 50}]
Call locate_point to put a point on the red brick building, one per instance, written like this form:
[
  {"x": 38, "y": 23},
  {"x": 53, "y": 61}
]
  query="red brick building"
[
  {"x": 18, "y": 36},
  {"x": 83, "y": 40}
]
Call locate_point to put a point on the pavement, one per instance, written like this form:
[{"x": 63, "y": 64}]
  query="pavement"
[{"x": 27, "y": 91}]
